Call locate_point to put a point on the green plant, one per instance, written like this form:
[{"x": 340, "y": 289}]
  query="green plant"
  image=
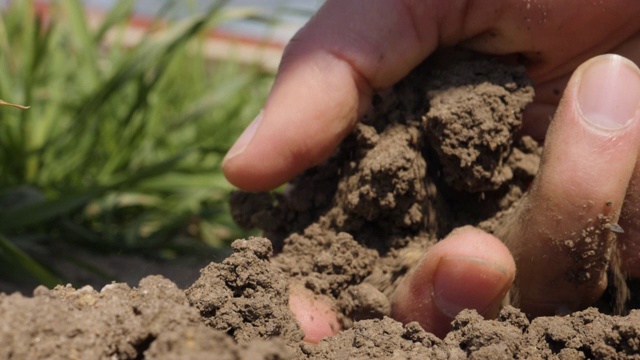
[{"x": 120, "y": 149}]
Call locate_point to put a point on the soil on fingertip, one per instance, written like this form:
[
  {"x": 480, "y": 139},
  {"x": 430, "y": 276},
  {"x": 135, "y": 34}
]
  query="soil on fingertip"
[{"x": 440, "y": 150}]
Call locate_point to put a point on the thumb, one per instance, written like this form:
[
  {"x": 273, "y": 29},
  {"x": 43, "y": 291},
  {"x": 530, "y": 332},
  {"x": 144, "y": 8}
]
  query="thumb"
[
  {"x": 560, "y": 232},
  {"x": 469, "y": 269}
]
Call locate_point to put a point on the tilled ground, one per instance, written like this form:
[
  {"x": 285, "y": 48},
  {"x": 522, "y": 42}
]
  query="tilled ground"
[{"x": 437, "y": 152}]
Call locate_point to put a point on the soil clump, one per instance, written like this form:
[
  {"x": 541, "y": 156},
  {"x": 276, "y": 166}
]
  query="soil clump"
[{"x": 438, "y": 151}]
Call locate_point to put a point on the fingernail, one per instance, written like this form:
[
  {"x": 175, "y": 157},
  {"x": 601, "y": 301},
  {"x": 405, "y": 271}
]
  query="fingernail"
[
  {"x": 244, "y": 139},
  {"x": 609, "y": 92},
  {"x": 468, "y": 283}
]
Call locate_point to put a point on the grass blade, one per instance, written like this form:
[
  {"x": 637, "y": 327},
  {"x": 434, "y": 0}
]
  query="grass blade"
[
  {"x": 13, "y": 255},
  {"x": 120, "y": 12},
  {"x": 39, "y": 213}
]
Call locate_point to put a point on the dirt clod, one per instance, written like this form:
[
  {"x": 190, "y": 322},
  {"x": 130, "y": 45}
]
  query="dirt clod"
[{"x": 245, "y": 295}]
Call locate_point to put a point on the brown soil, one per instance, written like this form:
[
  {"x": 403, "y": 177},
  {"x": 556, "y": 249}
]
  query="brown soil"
[{"x": 437, "y": 152}]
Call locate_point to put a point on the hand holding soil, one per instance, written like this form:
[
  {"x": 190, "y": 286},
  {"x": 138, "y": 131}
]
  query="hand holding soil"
[
  {"x": 559, "y": 235},
  {"x": 445, "y": 151}
]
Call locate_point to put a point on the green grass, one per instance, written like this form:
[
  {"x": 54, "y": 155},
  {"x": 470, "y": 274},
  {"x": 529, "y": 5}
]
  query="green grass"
[{"x": 121, "y": 147}]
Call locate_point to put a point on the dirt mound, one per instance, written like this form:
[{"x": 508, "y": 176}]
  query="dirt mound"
[
  {"x": 116, "y": 323},
  {"x": 156, "y": 320},
  {"x": 437, "y": 152}
]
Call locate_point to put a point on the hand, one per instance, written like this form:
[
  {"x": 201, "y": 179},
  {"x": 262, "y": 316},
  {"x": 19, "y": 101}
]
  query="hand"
[{"x": 353, "y": 48}]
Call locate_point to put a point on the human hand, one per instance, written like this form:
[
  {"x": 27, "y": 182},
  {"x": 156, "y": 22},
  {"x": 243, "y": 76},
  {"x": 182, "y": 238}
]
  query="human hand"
[
  {"x": 560, "y": 234},
  {"x": 353, "y": 48}
]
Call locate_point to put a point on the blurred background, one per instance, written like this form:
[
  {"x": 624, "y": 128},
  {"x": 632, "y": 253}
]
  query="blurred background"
[{"x": 113, "y": 172}]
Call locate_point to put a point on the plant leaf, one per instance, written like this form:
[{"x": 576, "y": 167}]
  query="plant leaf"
[{"x": 13, "y": 254}]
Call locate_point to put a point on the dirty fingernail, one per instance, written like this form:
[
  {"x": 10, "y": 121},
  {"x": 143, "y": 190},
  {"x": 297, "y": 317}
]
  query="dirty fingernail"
[
  {"x": 608, "y": 94},
  {"x": 244, "y": 139},
  {"x": 468, "y": 283}
]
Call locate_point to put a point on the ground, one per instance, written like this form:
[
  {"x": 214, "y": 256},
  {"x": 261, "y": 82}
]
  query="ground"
[{"x": 438, "y": 152}]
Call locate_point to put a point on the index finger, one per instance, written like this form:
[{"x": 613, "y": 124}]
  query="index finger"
[{"x": 353, "y": 47}]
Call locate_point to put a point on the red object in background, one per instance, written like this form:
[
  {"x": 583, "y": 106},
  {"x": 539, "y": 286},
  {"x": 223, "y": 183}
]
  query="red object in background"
[{"x": 220, "y": 44}]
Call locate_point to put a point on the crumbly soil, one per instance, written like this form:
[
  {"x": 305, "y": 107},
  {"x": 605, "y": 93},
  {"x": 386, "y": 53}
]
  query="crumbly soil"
[{"x": 438, "y": 151}]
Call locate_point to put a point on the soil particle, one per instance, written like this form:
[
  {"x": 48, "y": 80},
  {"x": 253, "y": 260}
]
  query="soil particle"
[
  {"x": 589, "y": 253},
  {"x": 327, "y": 261},
  {"x": 363, "y": 301},
  {"x": 379, "y": 339},
  {"x": 583, "y": 335},
  {"x": 246, "y": 296},
  {"x": 472, "y": 151}
]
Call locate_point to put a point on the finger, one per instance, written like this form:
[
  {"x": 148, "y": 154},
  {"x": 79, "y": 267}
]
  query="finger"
[
  {"x": 537, "y": 115},
  {"x": 326, "y": 78},
  {"x": 315, "y": 315},
  {"x": 551, "y": 39},
  {"x": 560, "y": 235},
  {"x": 353, "y": 47},
  {"x": 469, "y": 269},
  {"x": 328, "y": 73}
]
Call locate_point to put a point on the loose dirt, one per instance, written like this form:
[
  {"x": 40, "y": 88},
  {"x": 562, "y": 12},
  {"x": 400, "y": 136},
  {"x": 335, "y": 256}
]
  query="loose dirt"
[{"x": 438, "y": 151}]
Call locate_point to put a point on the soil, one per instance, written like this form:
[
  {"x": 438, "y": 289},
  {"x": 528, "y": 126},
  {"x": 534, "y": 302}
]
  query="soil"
[{"x": 438, "y": 151}]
